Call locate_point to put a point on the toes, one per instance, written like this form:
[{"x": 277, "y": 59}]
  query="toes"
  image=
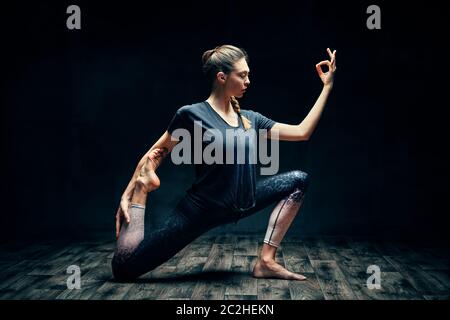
[{"x": 299, "y": 277}]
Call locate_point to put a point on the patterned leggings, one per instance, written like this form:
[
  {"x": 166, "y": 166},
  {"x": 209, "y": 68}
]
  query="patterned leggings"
[{"x": 139, "y": 251}]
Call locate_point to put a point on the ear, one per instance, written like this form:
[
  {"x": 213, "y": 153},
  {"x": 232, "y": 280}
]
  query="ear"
[{"x": 221, "y": 77}]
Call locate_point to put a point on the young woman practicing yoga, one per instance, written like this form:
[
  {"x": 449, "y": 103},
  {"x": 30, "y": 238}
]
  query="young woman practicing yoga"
[{"x": 223, "y": 192}]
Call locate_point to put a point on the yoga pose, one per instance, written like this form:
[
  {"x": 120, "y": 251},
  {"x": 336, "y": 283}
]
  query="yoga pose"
[{"x": 222, "y": 192}]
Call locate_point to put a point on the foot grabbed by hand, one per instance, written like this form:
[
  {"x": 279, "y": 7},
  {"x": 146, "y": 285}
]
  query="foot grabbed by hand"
[{"x": 147, "y": 179}]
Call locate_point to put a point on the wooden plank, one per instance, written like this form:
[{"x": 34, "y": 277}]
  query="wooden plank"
[
  {"x": 332, "y": 281},
  {"x": 7, "y": 294},
  {"x": 292, "y": 239},
  {"x": 225, "y": 239},
  {"x": 393, "y": 287},
  {"x": 441, "y": 276},
  {"x": 419, "y": 279},
  {"x": 111, "y": 291},
  {"x": 389, "y": 248},
  {"x": 189, "y": 265},
  {"x": 144, "y": 291},
  {"x": 334, "y": 244},
  {"x": 92, "y": 260},
  {"x": 87, "y": 290},
  {"x": 40, "y": 294},
  {"x": 306, "y": 290},
  {"x": 381, "y": 262},
  {"x": 246, "y": 246},
  {"x": 296, "y": 258},
  {"x": 205, "y": 238},
  {"x": 10, "y": 278},
  {"x": 177, "y": 290},
  {"x": 161, "y": 272},
  {"x": 220, "y": 258},
  {"x": 102, "y": 272},
  {"x": 273, "y": 289},
  {"x": 242, "y": 282},
  {"x": 208, "y": 290},
  {"x": 437, "y": 297},
  {"x": 196, "y": 250},
  {"x": 364, "y": 248},
  {"x": 241, "y": 297},
  {"x": 427, "y": 261},
  {"x": 316, "y": 250},
  {"x": 182, "y": 279},
  {"x": 19, "y": 266},
  {"x": 25, "y": 284},
  {"x": 56, "y": 265},
  {"x": 346, "y": 258}
]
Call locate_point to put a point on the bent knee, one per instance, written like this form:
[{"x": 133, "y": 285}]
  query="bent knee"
[
  {"x": 301, "y": 179},
  {"x": 121, "y": 270}
]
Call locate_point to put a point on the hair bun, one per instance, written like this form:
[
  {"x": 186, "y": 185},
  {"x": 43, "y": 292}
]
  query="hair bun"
[{"x": 207, "y": 54}]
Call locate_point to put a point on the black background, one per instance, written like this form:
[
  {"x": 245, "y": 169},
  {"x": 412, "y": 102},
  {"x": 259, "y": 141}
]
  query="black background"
[{"x": 80, "y": 108}]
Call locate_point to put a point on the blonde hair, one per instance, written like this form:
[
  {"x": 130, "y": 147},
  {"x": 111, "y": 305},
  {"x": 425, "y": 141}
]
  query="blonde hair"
[{"x": 222, "y": 59}]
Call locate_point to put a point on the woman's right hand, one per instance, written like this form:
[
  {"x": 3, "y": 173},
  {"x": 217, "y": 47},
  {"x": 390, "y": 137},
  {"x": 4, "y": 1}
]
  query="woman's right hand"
[{"x": 122, "y": 213}]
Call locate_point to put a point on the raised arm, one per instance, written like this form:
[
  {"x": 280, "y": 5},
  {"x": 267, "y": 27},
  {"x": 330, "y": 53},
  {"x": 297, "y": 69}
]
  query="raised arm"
[
  {"x": 154, "y": 156},
  {"x": 304, "y": 130}
]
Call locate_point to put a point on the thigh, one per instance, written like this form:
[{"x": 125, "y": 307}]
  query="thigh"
[{"x": 271, "y": 190}]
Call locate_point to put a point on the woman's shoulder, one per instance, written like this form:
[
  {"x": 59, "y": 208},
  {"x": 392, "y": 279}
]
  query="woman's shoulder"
[
  {"x": 190, "y": 108},
  {"x": 248, "y": 112}
]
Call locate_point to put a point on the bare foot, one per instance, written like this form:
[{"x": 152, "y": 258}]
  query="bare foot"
[
  {"x": 147, "y": 178},
  {"x": 271, "y": 269}
]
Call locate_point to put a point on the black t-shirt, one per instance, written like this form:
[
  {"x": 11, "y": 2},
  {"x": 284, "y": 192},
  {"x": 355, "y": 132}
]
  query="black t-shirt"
[{"x": 222, "y": 185}]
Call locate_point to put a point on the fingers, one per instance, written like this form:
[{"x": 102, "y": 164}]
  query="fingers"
[
  {"x": 321, "y": 63},
  {"x": 319, "y": 69},
  {"x": 332, "y": 56},
  {"x": 124, "y": 209},
  {"x": 329, "y": 53},
  {"x": 127, "y": 216},
  {"x": 117, "y": 226}
]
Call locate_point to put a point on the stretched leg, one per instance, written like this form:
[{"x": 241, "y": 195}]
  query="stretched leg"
[{"x": 290, "y": 187}]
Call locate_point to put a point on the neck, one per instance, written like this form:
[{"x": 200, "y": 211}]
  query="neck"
[{"x": 220, "y": 101}]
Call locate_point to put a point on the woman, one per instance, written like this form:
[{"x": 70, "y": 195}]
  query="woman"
[{"x": 221, "y": 193}]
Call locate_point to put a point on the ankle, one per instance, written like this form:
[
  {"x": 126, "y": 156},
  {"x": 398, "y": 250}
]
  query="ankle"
[
  {"x": 140, "y": 186},
  {"x": 267, "y": 259}
]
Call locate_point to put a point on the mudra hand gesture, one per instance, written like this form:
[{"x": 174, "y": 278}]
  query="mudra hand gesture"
[{"x": 327, "y": 77}]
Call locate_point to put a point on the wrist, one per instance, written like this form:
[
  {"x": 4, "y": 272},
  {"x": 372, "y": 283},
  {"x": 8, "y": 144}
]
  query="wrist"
[{"x": 328, "y": 86}]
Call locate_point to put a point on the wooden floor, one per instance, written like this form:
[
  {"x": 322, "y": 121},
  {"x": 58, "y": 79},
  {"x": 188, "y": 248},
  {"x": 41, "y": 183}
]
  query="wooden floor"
[{"x": 219, "y": 267}]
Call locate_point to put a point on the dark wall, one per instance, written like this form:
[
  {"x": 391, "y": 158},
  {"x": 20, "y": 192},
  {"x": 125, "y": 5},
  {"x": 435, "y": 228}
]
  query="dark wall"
[{"x": 80, "y": 108}]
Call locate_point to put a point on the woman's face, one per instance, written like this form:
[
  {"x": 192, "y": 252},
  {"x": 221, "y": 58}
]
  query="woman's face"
[{"x": 237, "y": 81}]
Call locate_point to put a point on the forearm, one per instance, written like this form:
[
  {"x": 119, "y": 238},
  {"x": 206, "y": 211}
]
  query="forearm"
[{"x": 308, "y": 125}]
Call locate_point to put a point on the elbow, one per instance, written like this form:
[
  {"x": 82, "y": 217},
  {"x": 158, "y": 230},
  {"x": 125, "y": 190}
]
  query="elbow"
[
  {"x": 303, "y": 136},
  {"x": 303, "y": 133}
]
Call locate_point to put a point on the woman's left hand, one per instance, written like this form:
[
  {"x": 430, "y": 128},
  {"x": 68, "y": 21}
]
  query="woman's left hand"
[{"x": 328, "y": 77}]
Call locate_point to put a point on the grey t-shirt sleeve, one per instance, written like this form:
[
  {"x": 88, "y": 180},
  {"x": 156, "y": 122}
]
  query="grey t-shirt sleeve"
[
  {"x": 178, "y": 121},
  {"x": 262, "y": 122}
]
